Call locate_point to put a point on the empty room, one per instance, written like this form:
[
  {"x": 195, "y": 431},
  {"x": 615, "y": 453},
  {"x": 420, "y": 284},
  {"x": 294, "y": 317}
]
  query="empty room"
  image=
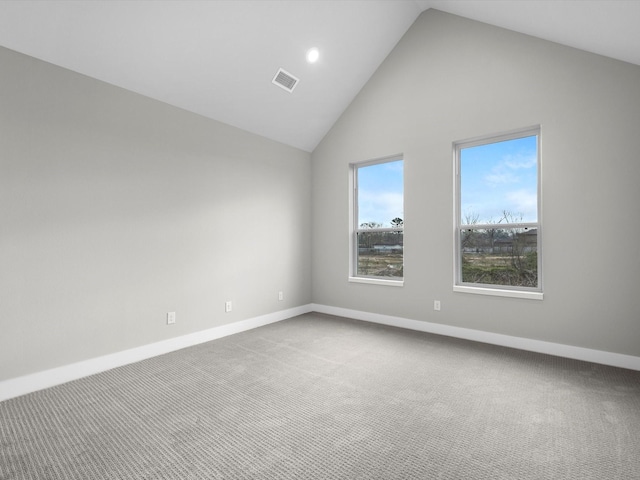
[{"x": 204, "y": 209}]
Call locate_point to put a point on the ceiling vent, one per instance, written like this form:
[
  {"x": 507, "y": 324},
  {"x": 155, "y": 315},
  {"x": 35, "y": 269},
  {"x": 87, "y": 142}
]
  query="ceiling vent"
[{"x": 285, "y": 80}]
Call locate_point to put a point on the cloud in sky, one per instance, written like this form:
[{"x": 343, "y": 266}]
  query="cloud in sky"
[
  {"x": 519, "y": 161},
  {"x": 507, "y": 170},
  {"x": 524, "y": 202},
  {"x": 500, "y": 177},
  {"x": 380, "y": 207}
]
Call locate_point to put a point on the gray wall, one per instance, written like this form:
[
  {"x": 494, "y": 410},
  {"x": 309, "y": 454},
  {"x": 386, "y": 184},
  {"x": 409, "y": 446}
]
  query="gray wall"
[
  {"x": 451, "y": 79},
  {"x": 115, "y": 209}
]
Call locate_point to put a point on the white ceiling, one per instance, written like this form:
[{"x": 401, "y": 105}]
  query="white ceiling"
[{"x": 218, "y": 57}]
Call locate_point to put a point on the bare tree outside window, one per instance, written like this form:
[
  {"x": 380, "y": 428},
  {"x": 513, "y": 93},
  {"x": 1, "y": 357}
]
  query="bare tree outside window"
[{"x": 500, "y": 255}]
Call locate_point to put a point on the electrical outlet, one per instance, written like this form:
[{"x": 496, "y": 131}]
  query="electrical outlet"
[
  {"x": 436, "y": 305},
  {"x": 228, "y": 306},
  {"x": 171, "y": 318},
  {"x": 280, "y": 296}
]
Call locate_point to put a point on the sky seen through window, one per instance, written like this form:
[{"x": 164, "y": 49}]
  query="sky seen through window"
[
  {"x": 381, "y": 193},
  {"x": 500, "y": 177}
]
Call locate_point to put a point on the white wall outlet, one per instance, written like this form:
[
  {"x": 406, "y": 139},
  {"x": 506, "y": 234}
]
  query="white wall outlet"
[
  {"x": 171, "y": 318},
  {"x": 280, "y": 296},
  {"x": 228, "y": 306},
  {"x": 436, "y": 305}
]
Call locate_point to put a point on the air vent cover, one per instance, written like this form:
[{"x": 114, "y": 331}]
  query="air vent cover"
[{"x": 285, "y": 80}]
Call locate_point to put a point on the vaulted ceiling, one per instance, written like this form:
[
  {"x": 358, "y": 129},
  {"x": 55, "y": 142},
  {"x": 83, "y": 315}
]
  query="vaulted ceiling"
[{"x": 217, "y": 58}]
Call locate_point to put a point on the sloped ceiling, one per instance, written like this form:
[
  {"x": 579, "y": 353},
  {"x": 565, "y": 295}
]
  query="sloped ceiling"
[{"x": 217, "y": 58}]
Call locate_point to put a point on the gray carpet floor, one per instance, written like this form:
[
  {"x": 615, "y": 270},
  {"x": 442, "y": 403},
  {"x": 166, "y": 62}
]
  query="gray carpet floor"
[{"x": 321, "y": 397}]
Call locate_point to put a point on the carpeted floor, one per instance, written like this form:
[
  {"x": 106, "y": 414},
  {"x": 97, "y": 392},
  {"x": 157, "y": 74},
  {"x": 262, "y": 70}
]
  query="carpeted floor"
[{"x": 321, "y": 397}]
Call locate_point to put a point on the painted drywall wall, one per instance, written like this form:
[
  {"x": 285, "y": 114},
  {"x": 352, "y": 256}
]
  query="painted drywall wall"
[
  {"x": 452, "y": 79},
  {"x": 116, "y": 209}
]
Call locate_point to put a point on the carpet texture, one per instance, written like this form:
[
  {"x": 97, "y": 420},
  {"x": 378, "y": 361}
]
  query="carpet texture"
[{"x": 321, "y": 397}]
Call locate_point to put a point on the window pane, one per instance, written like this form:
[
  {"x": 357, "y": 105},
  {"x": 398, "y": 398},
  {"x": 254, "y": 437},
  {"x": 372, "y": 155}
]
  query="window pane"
[
  {"x": 380, "y": 194},
  {"x": 499, "y": 180},
  {"x": 500, "y": 256},
  {"x": 380, "y": 254}
]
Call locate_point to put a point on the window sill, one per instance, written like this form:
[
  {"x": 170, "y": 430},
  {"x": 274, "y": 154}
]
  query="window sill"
[
  {"x": 377, "y": 281},
  {"x": 498, "y": 292}
]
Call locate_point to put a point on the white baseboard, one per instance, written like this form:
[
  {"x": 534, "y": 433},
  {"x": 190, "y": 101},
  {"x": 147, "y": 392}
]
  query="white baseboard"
[
  {"x": 557, "y": 349},
  {"x": 48, "y": 378}
]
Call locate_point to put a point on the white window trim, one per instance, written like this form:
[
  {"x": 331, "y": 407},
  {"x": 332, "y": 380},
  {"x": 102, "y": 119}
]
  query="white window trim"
[
  {"x": 498, "y": 292},
  {"x": 485, "y": 289},
  {"x": 376, "y": 281},
  {"x": 353, "y": 225}
]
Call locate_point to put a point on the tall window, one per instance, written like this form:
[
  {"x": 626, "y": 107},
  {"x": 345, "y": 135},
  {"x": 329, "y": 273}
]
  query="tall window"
[
  {"x": 498, "y": 228},
  {"x": 377, "y": 240}
]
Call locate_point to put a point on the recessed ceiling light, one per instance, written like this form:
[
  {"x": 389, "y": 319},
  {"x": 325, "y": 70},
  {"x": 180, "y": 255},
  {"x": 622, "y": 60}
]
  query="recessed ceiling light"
[{"x": 312, "y": 55}]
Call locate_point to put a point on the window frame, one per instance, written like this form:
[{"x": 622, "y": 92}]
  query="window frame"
[
  {"x": 534, "y": 293},
  {"x": 354, "y": 227}
]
